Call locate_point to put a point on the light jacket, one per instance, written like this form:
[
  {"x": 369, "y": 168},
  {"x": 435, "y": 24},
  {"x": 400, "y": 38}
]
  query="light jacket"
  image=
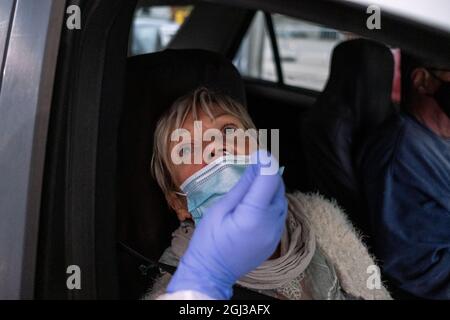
[{"x": 341, "y": 269}]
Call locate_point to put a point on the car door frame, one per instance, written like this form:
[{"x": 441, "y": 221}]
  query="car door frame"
[{"x": 28, "y": 61}]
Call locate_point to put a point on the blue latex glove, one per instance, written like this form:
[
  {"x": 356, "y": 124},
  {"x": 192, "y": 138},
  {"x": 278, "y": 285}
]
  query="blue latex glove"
[{"x": 235, "y": 236}]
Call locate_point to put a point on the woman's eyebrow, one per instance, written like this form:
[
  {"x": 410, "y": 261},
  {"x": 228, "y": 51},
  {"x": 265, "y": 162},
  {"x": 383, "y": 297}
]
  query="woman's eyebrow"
[{"x": 222, "y": 115}]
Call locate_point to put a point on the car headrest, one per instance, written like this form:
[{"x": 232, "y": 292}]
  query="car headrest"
[
  {"x": 360, "y": 83},
  {"x": 356, "y": 100},
  {"x": 164, "y": 76},
  {"x": 154, "y": 81}
]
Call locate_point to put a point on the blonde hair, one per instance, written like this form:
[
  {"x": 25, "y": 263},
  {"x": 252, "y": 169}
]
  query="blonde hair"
[{"x": 201, "y": 99}]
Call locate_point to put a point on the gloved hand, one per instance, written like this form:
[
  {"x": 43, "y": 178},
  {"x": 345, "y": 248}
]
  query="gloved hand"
[{"x": 237, "y": 234}]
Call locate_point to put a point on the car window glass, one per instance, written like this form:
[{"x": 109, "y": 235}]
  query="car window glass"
[
  {"x": 305, "y": 51},
  {"x": 304, "y": 48},
  {"x": 154, "y": 27},
  {"x": 255, "y": 56}
]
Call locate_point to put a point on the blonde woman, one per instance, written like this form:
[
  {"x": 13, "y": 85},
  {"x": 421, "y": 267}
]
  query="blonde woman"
[{"x": 320, "y": 255}]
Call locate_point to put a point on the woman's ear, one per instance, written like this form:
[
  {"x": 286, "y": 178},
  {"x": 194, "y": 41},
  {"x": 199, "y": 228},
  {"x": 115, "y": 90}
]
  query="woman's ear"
[{"x": 178, "y": 204}]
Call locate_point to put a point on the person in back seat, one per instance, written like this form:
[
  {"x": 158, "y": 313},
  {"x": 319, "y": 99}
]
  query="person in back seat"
[
  {"x": 320, "y": 255},
  {"x": 406, "y": 177}
]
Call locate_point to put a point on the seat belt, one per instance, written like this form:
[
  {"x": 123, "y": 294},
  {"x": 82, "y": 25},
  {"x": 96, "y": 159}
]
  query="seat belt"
[
  {"x": 151, "y": 263},
  {"x": 240, "y": 293}
]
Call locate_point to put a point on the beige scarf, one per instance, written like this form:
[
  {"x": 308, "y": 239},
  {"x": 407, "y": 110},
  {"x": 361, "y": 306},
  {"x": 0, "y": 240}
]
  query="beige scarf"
[{"x": 297, "y": 248}]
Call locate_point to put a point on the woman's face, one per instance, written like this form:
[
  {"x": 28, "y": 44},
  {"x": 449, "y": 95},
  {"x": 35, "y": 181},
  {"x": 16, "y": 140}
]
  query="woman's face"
[{"x": 226, "y": 124}]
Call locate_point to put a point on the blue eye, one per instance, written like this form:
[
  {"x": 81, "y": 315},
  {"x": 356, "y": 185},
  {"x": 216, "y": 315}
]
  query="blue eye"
[
  {"x": 229, "y": 129},
  {"x": 184, "y": 150}
]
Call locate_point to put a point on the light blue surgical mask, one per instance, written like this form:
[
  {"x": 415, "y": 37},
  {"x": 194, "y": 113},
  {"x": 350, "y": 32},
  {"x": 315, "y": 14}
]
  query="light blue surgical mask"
[{"x": 213, "y": 181}]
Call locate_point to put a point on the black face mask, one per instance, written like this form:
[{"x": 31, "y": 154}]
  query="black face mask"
[{"x": 442, "y": 95}]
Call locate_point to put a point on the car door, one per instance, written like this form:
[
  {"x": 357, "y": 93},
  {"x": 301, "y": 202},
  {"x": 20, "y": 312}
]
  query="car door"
[{"x": 29, "y": 39}]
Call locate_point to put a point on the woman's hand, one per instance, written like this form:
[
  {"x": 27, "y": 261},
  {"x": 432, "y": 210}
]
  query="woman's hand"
[{"x": 236, "y": 234}]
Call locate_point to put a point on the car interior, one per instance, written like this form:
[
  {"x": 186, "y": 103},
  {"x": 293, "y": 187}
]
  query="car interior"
[{"x": 102, "y": 209}]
